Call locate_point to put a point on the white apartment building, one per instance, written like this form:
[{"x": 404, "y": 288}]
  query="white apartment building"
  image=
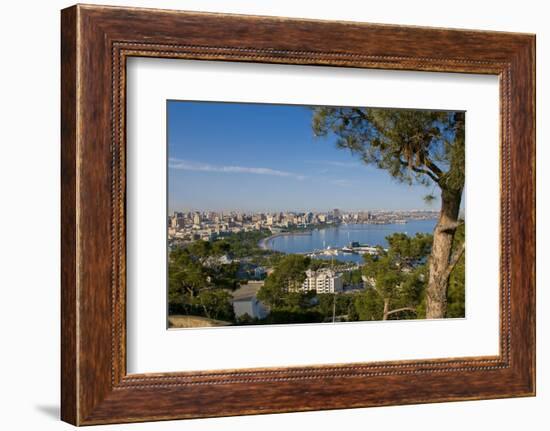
[{"x": 323, "y": 281}]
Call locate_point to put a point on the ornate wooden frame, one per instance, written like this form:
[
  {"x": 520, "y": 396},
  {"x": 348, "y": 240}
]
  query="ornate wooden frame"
[{"x": 95, "y": 42}]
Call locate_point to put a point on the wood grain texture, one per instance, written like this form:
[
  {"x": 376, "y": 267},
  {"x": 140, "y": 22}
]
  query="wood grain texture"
[
  {"x": 69, "y": 397},
  {"x": 96, "y": 41}
]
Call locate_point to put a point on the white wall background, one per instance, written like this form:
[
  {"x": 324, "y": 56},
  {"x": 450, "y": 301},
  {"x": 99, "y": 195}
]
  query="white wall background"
[{"x": 29, "y": 215}]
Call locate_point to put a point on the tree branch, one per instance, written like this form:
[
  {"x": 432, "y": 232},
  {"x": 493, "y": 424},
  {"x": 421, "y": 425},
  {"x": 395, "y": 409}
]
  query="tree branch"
[
  {"x": 397, "y": 310},
  {"x": 190, "y": 291},
  {"x": 419, "y": 170},
  {"x": 449, "y": 227},
  {"x": 454, "y": 259},
  {"x": 433, "y": 167},
  {"x": 428, "y": 173},
  {"x": 360, "y": 113}
]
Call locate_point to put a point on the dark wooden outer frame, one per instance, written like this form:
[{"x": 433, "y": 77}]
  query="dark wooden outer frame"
[{"x": 96, "y": 41}]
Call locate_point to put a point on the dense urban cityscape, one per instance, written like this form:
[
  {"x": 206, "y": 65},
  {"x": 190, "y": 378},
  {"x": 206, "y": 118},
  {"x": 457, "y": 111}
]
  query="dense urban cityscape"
[{"x": 209, "y": 225}]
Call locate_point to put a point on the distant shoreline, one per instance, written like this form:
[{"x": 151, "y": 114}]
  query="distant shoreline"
[{"x": 263, "y": 242}]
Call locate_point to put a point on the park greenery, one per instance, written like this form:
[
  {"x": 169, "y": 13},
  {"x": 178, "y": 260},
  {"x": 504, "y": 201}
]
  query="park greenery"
[
  {"x": 200, "y": 281},
  {"x": 392, "y": 282}
]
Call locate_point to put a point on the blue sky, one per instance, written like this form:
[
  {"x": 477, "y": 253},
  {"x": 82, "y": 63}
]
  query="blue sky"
[{"x": 261, "y": 157}]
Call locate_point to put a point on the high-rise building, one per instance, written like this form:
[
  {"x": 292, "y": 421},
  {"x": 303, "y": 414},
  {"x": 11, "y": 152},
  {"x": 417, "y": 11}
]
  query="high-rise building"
[
  {"x": 174, "y": 221},
  {"x": 323, "y": 281}
]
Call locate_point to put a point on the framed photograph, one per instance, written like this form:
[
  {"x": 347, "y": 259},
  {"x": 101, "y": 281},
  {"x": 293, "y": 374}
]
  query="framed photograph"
[{"x": 261, "y": 217}]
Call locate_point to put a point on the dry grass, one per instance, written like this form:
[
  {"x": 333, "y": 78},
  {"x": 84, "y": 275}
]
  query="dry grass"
[{"x": 181, "y": 321}]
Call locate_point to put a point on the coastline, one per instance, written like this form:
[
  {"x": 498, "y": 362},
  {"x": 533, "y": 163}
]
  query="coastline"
[{"x": 263, "y": 242}]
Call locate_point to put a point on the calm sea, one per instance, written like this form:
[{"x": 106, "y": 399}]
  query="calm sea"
[{"x": 342, "y": 235}]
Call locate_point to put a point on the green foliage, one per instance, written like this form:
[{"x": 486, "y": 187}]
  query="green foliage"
[
  {"x": 385, "y": 274},
  {"x": 340, "y": 304},
  {"x": 414, "y": 146},
  {"x": 187, "y": 276},
  {"x": 404, "y": 249},
  {"x": 221, "y": 247},
  {"x": 325, "y": 303},
  {"x": 429, "y": 199},
  {"x": 297, "y": 306},
  {"x": 456, "y": 295},
  {"x": 289, "y": 273},
  {"x": 369, "y": 305},
  {"x": 216, "y": 304},
  {"x": 246, "y": 319},
  {"x": 299, "y": 300},
  {"x": 199, "y": 284},
  {"x": 397, "y": 275},
  {"x": 412, "y": 287},
  {"x": 352, "y": 277},
  {"x": 293, "y": 315},
  {"x": 200, "y": 249},
  {"x": 224, "y": 276},
  {"x": 245, "y": 244},
  {"x": 318, "y": 264},
  {"x": 421, "y": 308}
]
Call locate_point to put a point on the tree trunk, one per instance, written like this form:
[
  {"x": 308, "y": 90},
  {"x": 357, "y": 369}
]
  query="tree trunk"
[
  {"x": 436, "y": 293},
  {"x": 386, "y": 308}
]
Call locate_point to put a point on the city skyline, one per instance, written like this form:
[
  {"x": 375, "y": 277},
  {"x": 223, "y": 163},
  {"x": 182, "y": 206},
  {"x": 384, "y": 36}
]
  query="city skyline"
[
  {"x": 208, "y": 225},
  {"x": 261, "y": 158},
  {"x": 303, "y": 211}
]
